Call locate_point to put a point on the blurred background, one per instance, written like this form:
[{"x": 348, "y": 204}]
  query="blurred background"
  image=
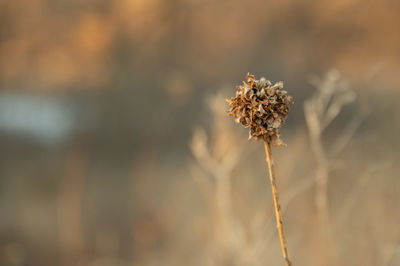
[{"x": 115, "y": 146}]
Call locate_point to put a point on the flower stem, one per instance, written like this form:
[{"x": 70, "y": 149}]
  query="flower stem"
[{"x": 278, "y": 212}]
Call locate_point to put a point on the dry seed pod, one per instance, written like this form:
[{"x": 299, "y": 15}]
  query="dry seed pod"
[{"x": 262, "y": 107}]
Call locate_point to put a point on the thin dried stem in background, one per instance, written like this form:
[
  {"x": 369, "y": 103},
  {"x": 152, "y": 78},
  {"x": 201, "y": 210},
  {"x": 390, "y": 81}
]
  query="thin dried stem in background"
[
  {"x": 71, "y": 231},
  {"x": 215, "y": 157},
  {"x": 320, "y": 111},
  {"x": 275, "y": 194}
]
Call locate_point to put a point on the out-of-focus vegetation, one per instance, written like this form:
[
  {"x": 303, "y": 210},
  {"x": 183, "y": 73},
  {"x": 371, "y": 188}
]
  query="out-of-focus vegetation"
[{"x": 110, "y": 154}]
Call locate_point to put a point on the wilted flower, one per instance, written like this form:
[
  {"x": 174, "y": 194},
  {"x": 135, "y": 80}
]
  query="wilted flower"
[{"x": 262, "y": 107}]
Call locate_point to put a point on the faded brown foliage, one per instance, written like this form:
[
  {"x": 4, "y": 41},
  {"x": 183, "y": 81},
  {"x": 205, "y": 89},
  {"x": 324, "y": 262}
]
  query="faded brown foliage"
[{"x": 112, "y": 152}]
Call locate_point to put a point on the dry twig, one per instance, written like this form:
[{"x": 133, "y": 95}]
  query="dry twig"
[{"x": 278, "y": 212}]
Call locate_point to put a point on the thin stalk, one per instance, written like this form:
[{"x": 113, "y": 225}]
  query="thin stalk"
[{"x": 278, "y": 212}]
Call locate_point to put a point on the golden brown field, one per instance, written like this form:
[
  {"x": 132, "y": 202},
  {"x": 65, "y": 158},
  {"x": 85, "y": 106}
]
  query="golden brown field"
[{"x": 116, "y": 147}]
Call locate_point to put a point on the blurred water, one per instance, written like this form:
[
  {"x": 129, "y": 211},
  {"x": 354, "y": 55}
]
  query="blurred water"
[{"x": 43, "y": 119}]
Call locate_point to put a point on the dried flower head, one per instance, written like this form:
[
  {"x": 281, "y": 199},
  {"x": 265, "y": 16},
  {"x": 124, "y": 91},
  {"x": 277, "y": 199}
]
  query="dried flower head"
[{"x": 262, "y": 107}]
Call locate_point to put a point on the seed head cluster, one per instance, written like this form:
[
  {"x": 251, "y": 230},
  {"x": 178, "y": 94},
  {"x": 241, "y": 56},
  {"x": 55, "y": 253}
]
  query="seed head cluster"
[{"x": 262, "y": 107}]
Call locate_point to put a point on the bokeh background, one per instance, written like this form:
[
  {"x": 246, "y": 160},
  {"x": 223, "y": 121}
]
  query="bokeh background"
[{"x": 115, "y": 148}]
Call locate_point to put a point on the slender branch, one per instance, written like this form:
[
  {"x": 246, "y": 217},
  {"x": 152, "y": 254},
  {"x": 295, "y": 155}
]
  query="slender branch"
[
  {"x": 322, "y": 173},
  {"x": 278, "y": 212}
]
